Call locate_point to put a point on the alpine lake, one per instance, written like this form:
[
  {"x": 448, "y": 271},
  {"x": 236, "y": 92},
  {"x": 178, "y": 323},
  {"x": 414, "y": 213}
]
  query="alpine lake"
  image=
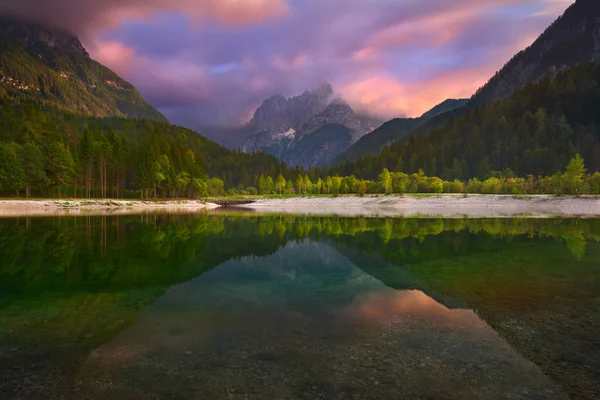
[{"x": 245, "y": 306}]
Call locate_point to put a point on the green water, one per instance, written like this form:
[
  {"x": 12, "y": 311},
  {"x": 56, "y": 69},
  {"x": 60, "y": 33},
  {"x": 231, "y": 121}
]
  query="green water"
[{"x": 227, "y": 306}]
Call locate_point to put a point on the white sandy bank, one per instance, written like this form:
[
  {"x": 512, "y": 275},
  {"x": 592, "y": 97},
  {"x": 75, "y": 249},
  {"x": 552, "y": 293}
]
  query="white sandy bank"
[
  {"x": 14, "y": 208},
  {"x": 451, "y": 206},
  {"x": 473, "y": 206}
]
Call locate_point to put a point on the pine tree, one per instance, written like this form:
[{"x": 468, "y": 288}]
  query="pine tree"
[
  {"x": 59, "y": 165},
  {"x": 32, "y": 161},
  {"x": 12, "y": 176}
]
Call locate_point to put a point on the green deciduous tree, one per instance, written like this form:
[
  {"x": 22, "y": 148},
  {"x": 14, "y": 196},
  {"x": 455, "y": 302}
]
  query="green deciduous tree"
[
  {"x": 385, "y": 180},
  {"x": 280, "y": 184},
  {"x": 216, "y": 187},
  {"x": 573, "y": 178}
]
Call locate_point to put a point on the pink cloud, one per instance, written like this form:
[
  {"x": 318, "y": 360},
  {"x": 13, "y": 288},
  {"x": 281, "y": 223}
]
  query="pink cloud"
[
  {"x": 386, "y": 57},
  {"x": 115, "y": 54},
  {"x": 290, "y": 64},
  {"x": 86, "y": 16},
  {"x": 176, "y": 78},
  {"x": 387, "y": 96}
]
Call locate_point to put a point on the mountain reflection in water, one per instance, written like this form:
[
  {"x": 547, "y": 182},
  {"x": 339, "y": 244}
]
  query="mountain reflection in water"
[
  {"x": 237, "y": 306},
  {"x": 307, "y": 323}
]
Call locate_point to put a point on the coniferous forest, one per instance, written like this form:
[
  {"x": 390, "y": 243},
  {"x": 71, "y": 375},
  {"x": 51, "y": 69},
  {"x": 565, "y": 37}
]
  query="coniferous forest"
[
  {"x": 47, "y": 153},
  {"x": 518, "y": 145},
  {"x": 534, "y": 132}
]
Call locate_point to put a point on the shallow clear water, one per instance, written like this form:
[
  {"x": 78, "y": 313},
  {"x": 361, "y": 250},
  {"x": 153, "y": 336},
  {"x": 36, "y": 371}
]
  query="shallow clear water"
[{"x": 279, "y": 307}]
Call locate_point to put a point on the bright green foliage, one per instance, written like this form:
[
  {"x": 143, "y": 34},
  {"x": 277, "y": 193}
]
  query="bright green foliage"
[
  {"x": 319, "y": 186},
  {"x": 307, "y": 185},
  {"x": 328, "y": 185},
  {"x": 262, "y": 184},
  {"x": 574, "y": 175},
  {"x": 385, "y": 180},
  {"x": 299, "y": 184},
  {"x": 290, "y": 188},
  {"x": 200, "y": 187},
  {"x": 216, "y": 187},
  {"x": 280, "y": 184},
  {"x": 336, "y": 184},
  {"x": 362, "y": 188}
]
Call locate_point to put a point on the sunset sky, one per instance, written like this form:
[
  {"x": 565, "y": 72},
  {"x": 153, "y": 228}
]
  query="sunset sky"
[{"x": 214, "y": 61}]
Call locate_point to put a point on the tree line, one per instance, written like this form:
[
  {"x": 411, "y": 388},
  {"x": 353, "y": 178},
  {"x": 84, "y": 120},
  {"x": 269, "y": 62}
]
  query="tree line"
[
  {"x": 535, "y": 131},
  {"x": 574, "y": 179},
  {"x": 520, "y": 145},
  {"x": 48, "y": 153}
]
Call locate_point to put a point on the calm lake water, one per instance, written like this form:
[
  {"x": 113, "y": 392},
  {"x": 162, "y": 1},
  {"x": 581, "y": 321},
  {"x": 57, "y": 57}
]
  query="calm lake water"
[{"x": 226, "y": 306}]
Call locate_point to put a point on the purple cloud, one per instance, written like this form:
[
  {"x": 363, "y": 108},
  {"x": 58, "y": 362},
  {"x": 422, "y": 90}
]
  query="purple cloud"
[{"x": 214, "y": 61}]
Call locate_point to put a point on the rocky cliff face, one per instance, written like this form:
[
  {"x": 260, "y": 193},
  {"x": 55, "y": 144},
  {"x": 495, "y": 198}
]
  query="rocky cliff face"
[
  {"x": 277, "y": 114},
  {"x": 307, "y": 130},
  {"x": 572, "y": 39},
  {"x": 32, "y": 35}
]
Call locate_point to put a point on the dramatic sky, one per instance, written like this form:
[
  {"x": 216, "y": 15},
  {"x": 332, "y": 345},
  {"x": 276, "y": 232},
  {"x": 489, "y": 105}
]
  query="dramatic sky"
[{"x": 214, "y": 61}]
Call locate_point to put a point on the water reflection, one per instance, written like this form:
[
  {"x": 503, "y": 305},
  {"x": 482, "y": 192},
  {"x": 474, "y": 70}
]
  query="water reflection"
[
  {"x": 308, "y": 323},
  {"x": 300, "y": 292}
]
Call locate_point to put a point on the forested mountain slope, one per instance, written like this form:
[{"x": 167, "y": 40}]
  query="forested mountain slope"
[
  {"x": 534, "y": 131},
  {"x": 53, "y": 69},
  {"x": 572, "y": 39},
  {"x": 45, "y": 149},
  {"x": 394, "y": 130}
]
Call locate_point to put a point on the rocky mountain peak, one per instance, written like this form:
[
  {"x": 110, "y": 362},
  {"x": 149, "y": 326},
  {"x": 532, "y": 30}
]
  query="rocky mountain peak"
[
  {"x": 32, "y": 35},
  {"x": 325, "y": 91},
  {"x": 310, "y": 129},
  {"x": 278, "y": 114}
]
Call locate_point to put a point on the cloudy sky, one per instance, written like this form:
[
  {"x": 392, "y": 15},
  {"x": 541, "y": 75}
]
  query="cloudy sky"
[{"x": 214, "y": 61}]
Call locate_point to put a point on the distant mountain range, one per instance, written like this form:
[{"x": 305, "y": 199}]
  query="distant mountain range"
[
  {"x": 53, "y": 69},
  {"x": 307, "y": 130}
]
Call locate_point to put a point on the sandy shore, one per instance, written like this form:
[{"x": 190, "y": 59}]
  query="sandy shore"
[
  {"x": 452, "y": 206},
  {"x": 31, "y": 208}
]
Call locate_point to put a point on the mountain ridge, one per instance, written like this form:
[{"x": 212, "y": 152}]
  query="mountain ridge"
[
  {"x": 51, "y": 67},
  {"x": 572, "y": 39},
  {"x": 393, "y": 130}
]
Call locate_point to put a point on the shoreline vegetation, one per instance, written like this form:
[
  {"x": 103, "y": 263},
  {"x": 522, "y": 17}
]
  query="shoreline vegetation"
[{"x": 409, "y": 205}]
